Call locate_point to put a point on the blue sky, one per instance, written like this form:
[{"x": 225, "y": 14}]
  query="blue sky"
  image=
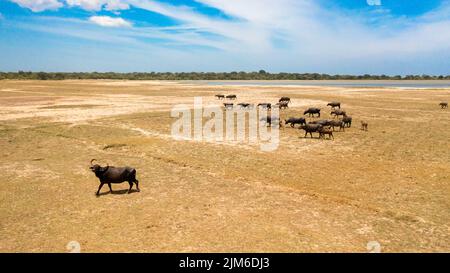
[{"x": 325, "y": 36}]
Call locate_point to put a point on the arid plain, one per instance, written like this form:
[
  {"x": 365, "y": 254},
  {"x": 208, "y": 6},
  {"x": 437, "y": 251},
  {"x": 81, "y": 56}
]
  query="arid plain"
[{"x": 390, "y": 184}]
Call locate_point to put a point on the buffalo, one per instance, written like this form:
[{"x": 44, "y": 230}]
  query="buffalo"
[
  {"x": 271, "y": 121},
  {"x": 285, "y": 99},
  {"x": 311, "y": 128},
  {"x": 231, "y": 97},
  {"x": 244, "y": 105},
  {"x": 283, "y": 105},
  {"x": 312, "y": 111},
  {"x": 443, "y": 105},
  {"x": 114, "y": 175},
  {"x": 265, "y": 105},
  {"x": 323, "y": 122},
  {"x": 293, "y": 121},
  {"x": 220, "y": 96},
  {"x": 364, "y": 125},
  {"x": 334, "y": 104},
  {"x": 337, "y": 123},
  {"x": 337, "y": 113},
  {"x": 325, "y": 131},
  {"x": 347, "y": 120},
  {"x": 228, "y": 105}
]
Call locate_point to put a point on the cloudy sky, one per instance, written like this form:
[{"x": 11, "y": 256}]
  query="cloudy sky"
[{"x": 324, "y": 36}]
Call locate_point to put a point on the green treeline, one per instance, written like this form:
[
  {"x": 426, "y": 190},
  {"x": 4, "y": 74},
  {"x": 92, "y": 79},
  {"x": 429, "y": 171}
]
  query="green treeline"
[{"x": 261, "y": 75}]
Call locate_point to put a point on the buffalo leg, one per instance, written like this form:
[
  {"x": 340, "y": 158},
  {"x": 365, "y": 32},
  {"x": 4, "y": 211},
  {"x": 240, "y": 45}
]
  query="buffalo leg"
[
  {"x": 306, "y": 133},
  {"x": 110, "y": 188},
  {"x": 137, "y": 185},
  {"x": 99, "y": 188},
  {"x": 131, "y": 186}
]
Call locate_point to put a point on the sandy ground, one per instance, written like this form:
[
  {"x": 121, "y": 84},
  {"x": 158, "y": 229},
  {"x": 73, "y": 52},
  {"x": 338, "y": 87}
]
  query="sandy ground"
[{"x": 390, "y": 184}]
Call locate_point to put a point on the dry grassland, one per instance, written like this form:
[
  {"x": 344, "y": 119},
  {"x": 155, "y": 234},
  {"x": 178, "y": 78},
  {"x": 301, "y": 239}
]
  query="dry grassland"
[{"x": 390, "y": 184}]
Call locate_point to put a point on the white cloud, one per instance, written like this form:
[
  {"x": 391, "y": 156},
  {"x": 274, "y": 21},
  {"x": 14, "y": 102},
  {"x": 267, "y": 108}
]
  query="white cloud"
[
  {"x": 306, "y": 28},
  {"x": 112, "y": 5},
  {"x": 107, "y": 21},
  {"x": 299, "y": 35},
  {"x": 97, "y": 5},
  {"x": 39, "y": 5},
  {"x": 374, "y": 2},
  {"x": 86, "y": 4}
]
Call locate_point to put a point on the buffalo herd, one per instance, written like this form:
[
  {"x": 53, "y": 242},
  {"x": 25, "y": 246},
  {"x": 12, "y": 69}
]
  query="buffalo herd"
[
  {"x": 283, "y": 103},
  {"x": 324, "y": 127}
]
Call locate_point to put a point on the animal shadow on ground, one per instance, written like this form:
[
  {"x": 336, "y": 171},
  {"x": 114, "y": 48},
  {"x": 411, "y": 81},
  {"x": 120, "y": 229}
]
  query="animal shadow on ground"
[
  {"x": 124, "y": 191},
  {"x": 306, "y": 137}
]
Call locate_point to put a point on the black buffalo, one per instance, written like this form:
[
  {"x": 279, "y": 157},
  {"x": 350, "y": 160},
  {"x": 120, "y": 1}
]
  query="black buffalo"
[
  {"x": 114, "y": 175},
  {"x": 323, "y": 122},
  {"x": 347, "y": 120},
  {"x": 265, "y": 105},
  {"x": 337, "y": 113},
  {"x": 285, "y": 99},
  {"x": 312, "y": 111},
  {"x": 228, "y": 105},
  {"x": 311, "y": 128},
  {"x": 244, "y": 105},
  {"x": 337, "y": 123},
  {"x": 293, "y": 121},
  {"x": 269, "y": 121},
  {"x": 231, "y": 97},
  {"x": 283, "y": 105}
]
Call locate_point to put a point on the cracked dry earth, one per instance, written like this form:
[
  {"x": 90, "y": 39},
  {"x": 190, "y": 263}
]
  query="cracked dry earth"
[{"x": 390, "y": 184}]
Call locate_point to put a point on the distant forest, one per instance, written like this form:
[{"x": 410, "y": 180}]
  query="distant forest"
[{"x": 260, "y": 75}]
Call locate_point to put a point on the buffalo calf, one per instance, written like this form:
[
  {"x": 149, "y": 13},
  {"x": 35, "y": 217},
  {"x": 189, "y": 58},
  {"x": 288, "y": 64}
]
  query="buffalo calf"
[
  {"x": 325, "y": 131},
  {"x": 364, "y": 125},
  {"x": 334, "y": 104}
]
